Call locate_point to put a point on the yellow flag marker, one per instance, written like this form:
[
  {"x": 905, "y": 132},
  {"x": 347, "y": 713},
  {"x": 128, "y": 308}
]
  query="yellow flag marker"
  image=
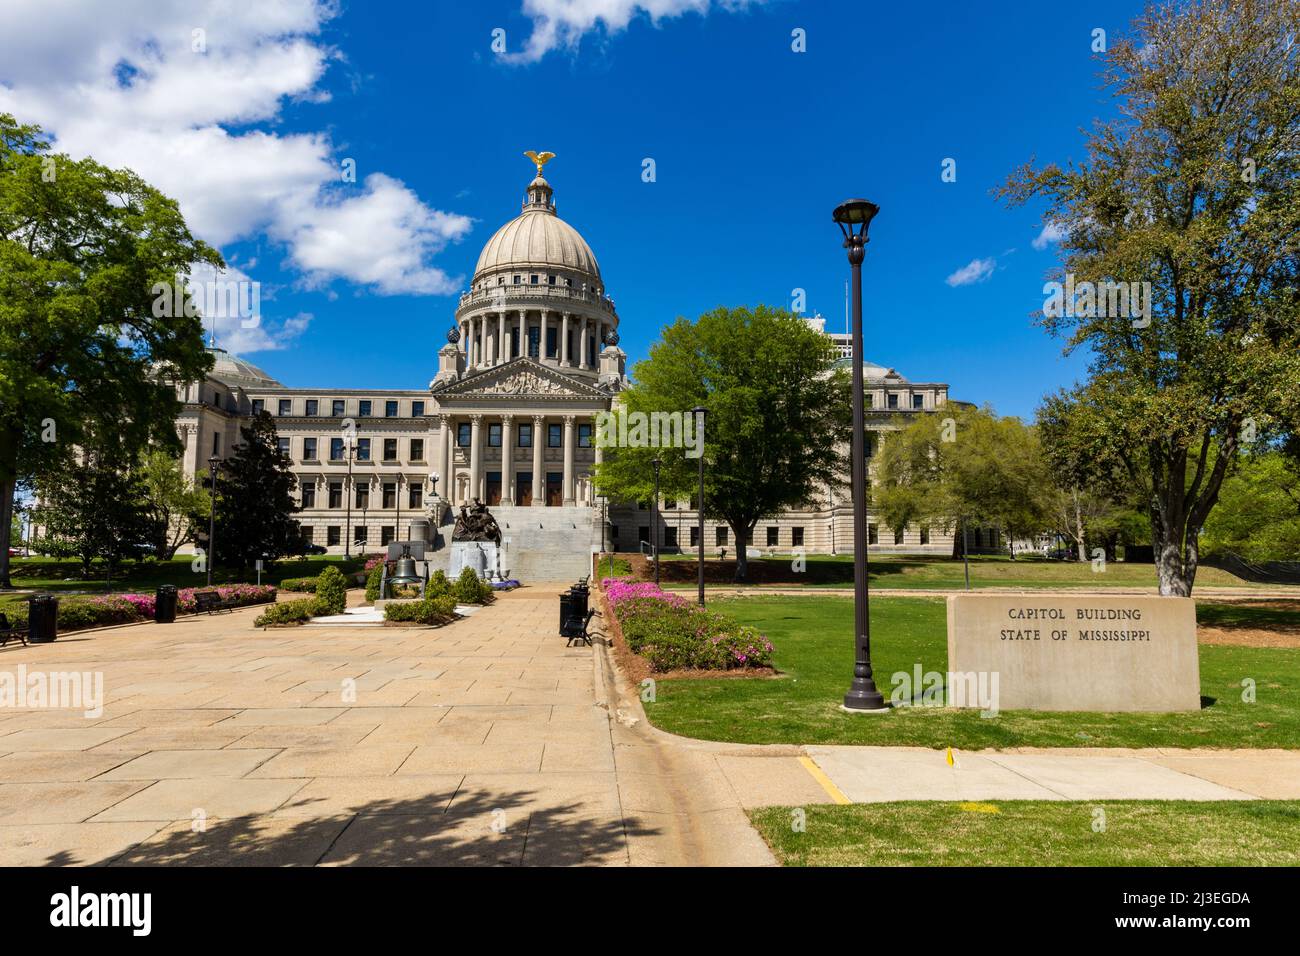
[{"x": 951, "y": 762}]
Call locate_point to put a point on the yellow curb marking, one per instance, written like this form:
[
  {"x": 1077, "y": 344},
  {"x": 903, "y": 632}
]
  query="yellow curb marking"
[{"x": 832, "y": 791}]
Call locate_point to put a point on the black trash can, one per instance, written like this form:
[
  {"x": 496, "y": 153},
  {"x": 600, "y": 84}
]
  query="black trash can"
[
  {"x": 568, "y": 611},
  {"x": 42, "y": 618},
  {"x": 580, "y": 598},
  {"x": 164, "y": 604}
]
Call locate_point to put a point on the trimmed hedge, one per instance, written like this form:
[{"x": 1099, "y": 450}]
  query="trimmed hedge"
[
  {"x": 301, "y": 585},
  {"x": 672, "y": 633},
  {"x": 431, "y": 611},
  {"x": 332, "y": 591},
  {"x": 373, "y": 579},
  {"x": 291, "y": 612},
  {"x": 77, "y": 611},
  {"x": 469, "y": 589}
]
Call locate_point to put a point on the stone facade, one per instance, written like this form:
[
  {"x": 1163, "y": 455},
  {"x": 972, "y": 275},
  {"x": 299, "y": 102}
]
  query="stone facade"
[{"x": 508, "y": 418}]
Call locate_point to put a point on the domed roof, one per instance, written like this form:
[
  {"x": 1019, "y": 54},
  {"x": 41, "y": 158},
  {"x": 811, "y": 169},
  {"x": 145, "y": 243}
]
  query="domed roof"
[
  {"x": 235, "y": 372},
  {"x": 537, "y": 238}
]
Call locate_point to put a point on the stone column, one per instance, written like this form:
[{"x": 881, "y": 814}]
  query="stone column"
[
  {"x": 541, "y": 348},
  {"x": 564, "y": 339},
  {"x": 446, "y": 444},
  {"x": 503, "y": 348},
  {"x": 475, "y": 457},
  {"x": 471, "y": 344},
  {"x": 568, "y": 459},
  {"x": 539, "y": 465},
  {"x": 582, "y": 344},
  {"x": 507, "y": 459}
]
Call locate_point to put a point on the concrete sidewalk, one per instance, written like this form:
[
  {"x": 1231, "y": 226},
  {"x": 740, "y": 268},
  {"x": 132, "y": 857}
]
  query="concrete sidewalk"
[{"x": 1201, "y": 593}]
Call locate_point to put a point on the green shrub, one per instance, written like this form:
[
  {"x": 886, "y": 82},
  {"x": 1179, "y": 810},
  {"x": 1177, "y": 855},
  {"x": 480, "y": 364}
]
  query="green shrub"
[
  {"x": 671, "y": 633},
  {"x": 291, "y": 612},
  {"x": 468, "y": 589},
  {"x": 332, "y": 591},
  {"x": 432, "y": 611},
  {"x": 373, "y": 580},
  {"x": 303, "y": 585},
  {"x": 438, "y": 585}
]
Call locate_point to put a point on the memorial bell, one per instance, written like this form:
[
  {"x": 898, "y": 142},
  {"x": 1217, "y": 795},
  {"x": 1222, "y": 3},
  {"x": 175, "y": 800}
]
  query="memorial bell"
[{"x": 405, "y": 572}]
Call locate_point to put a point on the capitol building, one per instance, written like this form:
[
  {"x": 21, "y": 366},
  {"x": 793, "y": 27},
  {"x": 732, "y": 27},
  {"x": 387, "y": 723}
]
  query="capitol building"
[{"x": 508, "y": 418}]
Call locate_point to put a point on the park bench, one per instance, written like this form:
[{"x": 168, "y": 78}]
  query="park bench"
[
  {"x": 210, "y": 602},
  {"x": 11, "y": 632},
  {"x": 576, "y": 629}
]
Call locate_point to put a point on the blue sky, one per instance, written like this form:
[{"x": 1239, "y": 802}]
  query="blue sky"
[{"x": 753, "y": 143}]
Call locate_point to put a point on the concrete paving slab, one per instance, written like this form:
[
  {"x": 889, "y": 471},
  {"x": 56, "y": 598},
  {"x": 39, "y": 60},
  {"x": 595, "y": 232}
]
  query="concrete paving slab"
[
  {"x": 190, "y": 764},
  {"x": 1113, "y": 778},
  {"x": 883, "y": 774},
  {"x": 63, "y": 844},
  {"x": 169, "y": 800}
]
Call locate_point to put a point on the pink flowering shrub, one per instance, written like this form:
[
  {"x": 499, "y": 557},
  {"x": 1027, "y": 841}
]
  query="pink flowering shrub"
[
  {"x": 80, "y": 611},
  {"x": 672, "y": 633}
]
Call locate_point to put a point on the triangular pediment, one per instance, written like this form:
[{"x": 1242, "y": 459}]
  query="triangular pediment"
[{"x": 521, "y": 378}]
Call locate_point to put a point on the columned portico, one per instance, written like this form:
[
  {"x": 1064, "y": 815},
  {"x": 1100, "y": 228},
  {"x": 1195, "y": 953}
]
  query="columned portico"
[
  {"x": 539, "y": 464},
  {"x": 475, "y": 457},
  {"x": 507, "y": 459},
  {"x": 568, "y": 460}
]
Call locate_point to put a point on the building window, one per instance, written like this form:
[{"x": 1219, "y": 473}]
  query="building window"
[
  {"x": 670, "y": 504},
  {"x": 363, "y": 449},
  {"x": 336, "y": 408},
  {"x": 360, "y": 535},
  {"x": 216, "y": 443},
  {"x": 670, "y": 537},
  {"x": 796, "y": 537},
  {"x": 568, "y": 283},
  {"x": 873, "y": 534},
  {"x": 868, "y": 444},
  {"x": 892, "y": 400},
  {"x": 336, "y": 449},
  {"x": 554, "y": 436},
  {"x": 720, "y": 535},
  {"x": 336, "y": 494},
  {"x": 390, "y": 409},
  {"x": 463, "y": 434},
  {"x": 307, "y": 533},
  {"x": 550, "y": 280},
  {"x": 417, "y": 449},
  {"x": 309, "y": 495},
  {"x": 363, "y": 495},
  {"x": 918, "y": 401},
  {"x": 332, "y": 534},
  {"x": 898, "y": 535},
  {"x": 417, "y": 409},
  {"x": 390, "y": 494},
  {"x": 584, "y": 436},
  {"x": 925, "y": 534},
  {"x": 517, "y": 280},
  {"x": 286, "y": 407},
  {"x": 259, "y": 406},
  {"x": 386, "y": 535},
  {"x": 643, "y": 534},
  {"x": 525, "y": 436},
  {"x": 494, "y": 436},
  {"x": 869, "y": 400},
  {"x": 415, "y": 497},
  {"x": 282, "y": 444},
  {"x": 309, "y": 449},
  {"x": 363, "y": 408},
  {"x": 695, "y": 536},
  {"x": 773, "y": 537},
  {"x": 390, "y": 449},
  {"x": 313, "y": 407},
  {"x": 532, "y": 279}
]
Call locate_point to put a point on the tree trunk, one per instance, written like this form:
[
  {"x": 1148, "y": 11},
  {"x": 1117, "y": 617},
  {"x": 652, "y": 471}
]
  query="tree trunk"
[
  {"x": 7, "y": 490},
  {"x": 742, "y": 553},
  {"x": 1078, "y": 528}
]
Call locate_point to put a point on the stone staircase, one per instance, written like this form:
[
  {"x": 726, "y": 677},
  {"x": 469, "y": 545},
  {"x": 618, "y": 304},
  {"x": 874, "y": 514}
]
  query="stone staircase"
[{"x": 547, "y": 544}]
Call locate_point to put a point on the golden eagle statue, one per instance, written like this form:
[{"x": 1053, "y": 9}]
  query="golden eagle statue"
[{"x": 539, "y": 159}]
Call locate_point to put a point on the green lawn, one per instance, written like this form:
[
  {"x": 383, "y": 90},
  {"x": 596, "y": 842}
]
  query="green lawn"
[
  {"x": 63, "y": 577},
  {"x": 814, "y": 652},
  {"x": 1037, "y": 833},
  {"x": 836, "y": 571}
]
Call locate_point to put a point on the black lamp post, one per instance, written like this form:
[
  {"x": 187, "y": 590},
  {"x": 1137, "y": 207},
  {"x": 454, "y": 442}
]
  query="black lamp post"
[
  {"x": 654, "y": 521},
  {"x": 213, "y": 462},
  {"x": 854, "y": 217},
  {"x": 350, "y": 447},
  {"x": 700, "y": 413}
]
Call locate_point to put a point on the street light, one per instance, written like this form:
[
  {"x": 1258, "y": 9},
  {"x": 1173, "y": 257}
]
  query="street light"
[
  {"x": 350, "y": 446},
  {"x": 854, "y": 218},
  {"x": 700, "y": 413},
  {"x": 654, "y": 522},
  {"x": 213, "y": 462}
]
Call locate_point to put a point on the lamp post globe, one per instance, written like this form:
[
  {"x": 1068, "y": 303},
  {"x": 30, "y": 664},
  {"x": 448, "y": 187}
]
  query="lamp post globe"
[
  {"x": 700, "y": 413},
  {"x": 654, "y": 521},
  {"x": 854, "y": 219}
]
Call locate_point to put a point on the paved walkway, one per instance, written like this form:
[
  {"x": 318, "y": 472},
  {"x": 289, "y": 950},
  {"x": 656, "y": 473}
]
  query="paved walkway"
[
  {"x": 812, "y": 590},
  {"x": 485, "y": 742}
]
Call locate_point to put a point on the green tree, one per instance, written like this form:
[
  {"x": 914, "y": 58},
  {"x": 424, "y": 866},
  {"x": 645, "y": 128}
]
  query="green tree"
[
  {"x": 778, "y": 417},
  {"x": 1188, "y": 202},
  {"x": 255, "y": 504},
  {"x": 176, "y": 506},
  {"x": 964, "y": 465},
  {"x": 1258, "y": 515},
  {"x": 81, "y": 249}
]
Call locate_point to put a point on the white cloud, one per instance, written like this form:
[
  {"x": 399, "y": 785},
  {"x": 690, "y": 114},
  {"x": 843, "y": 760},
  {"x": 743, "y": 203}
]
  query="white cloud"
[
  {"x": 130, "y": 90},
  {"x": 238, "y": 311},
  {"x": 563, "y": 23},
  {"x": 977, "y": 270},
  {"x": 1052, "y": 232}
]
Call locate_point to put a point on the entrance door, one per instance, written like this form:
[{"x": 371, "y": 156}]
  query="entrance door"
[
  {"x": 524, "y": 488},
  {"x": 554, "y": 489},
  {"x": 493, "y": 488}
]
